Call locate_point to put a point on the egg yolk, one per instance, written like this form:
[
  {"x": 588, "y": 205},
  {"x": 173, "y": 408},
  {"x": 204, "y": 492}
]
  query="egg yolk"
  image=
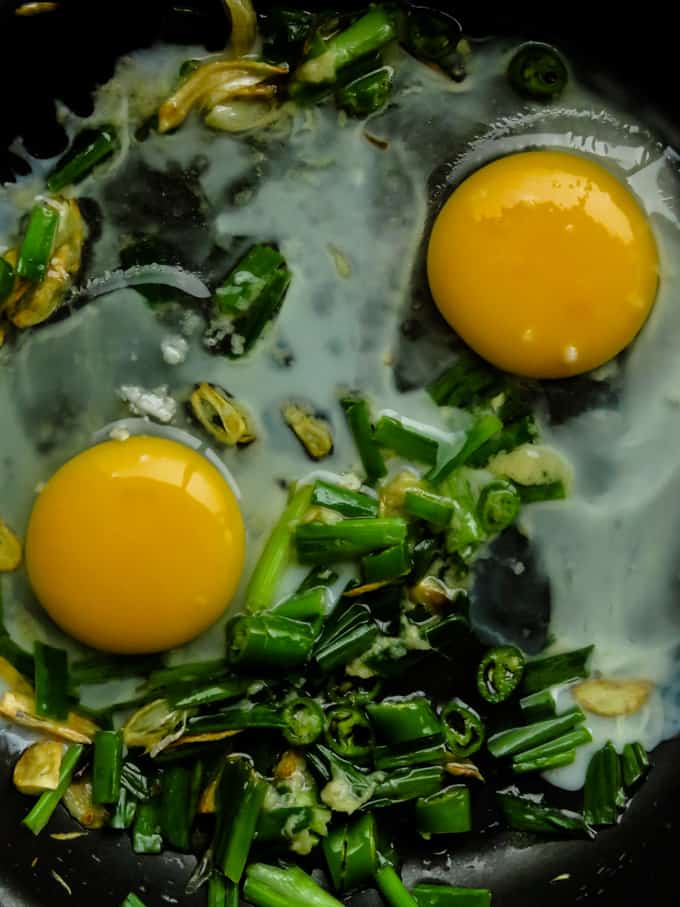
[
  {"x": 544, "y": 263},
  {"x": 136, "y": 545}
]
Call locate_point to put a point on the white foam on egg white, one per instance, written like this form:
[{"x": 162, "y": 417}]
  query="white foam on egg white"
[{"x": 609, "y": 550}]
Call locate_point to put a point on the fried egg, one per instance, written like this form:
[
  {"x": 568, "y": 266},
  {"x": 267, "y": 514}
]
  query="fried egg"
[
  {"x": 544, "y": 263},
  {"x": 135, "y": 545}
]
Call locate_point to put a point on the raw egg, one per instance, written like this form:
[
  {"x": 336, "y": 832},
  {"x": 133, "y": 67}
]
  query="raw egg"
[
  {"x": 544, "y": 263},
  {"x": 135, "y": 545}
]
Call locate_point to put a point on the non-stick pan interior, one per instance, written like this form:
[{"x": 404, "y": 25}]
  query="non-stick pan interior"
[{"x": 64, "y": 55}]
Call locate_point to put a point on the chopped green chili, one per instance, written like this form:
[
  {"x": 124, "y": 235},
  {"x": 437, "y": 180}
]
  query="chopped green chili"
[
  {"x": 430, "y": 751},
  {"x": 538, "y": 72},
  {"x": 550, "y": 491},
  {"x": 349, "y": 732},
  {"x": 499, "y": 674},
  {"x": 303, "y": 721},
  {"x": 347, "y": 639},
  {"x": 544, "y": 763},
  {"x": 132, "y": 901},
  {"x": 368, "y": 93},
  {"x": 284, "y": 886},
  {"x": 229, "y": 688},
  {"x": 240, "y": 715},
  {"x": 407, "y": 784},
  {"x": 463, "y": 728},
  {"x": 446, "y": 812},
  {"x": 404, "y": 719},
  {"x": 222, "y": 892}
]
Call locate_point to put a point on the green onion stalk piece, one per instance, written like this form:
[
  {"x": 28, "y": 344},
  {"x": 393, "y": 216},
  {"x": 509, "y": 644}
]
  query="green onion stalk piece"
[
  {"x": 248, "y": 301},
  {"x": 525, "y": 814},
  {"x": 348, "y": 638},
  {"x": 222, "y": 892},
  {"x": 51, "y": 681},
  {"x": 367, "y": 34},
  {"x": 176, "y": 811},
  {"x": 409, "y": 442},
  {"x": 538, "y": 706},
  {"x": 547, "y": 672},
  {"x": 603, "y": 793},
  {"x": 309, "y": 606},
  {"x": 38, "y": 242},
  {"x": 358, "y": 418},
  {"x": 388, "y": 565},
  {"x": 429, "y": 507},
  {"x": 240, "y": 795},
  {"x": 237, "y": 716},
  {"x": 562, "y": 751},
  {"x": 106, "y": 767},
  {"x": 277, "y": 552},
  {"x": 132, "y": 901},
  {"x": 284, "y": 886},
  {"x": 634, "y": 764},
  {"x": 518, "y": 739},
  {"x": 319, "y": 543},
  {"x": 430, "y": 751},
  {"x": 42, "y": 811},
  {"x": 147, "y": 831},
  {"x": 343, "y": 500},
  {"x": 392, "y": 888},
  {"x": 6, "y": 279},
  {"x": 89, "y": 149},
  {"x": 482, "y": 430}
]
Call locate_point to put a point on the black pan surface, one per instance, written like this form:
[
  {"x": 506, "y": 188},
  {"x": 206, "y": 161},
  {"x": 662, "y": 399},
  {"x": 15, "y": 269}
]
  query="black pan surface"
[{"x": 64, "y": 55}]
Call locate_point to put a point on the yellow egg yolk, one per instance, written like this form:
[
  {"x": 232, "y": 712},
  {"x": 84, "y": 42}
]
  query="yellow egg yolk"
[
  {"x": 544, "y": 263},
  {"x": 136, "y": 545}
]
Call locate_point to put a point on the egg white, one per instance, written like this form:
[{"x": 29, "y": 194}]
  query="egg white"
[{"x": 331, "y": 196}]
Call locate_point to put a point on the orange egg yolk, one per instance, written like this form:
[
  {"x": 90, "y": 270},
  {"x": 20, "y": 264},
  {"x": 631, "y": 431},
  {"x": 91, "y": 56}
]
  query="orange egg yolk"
[
  {"x": 136, "y": 545},
  {"x": 544, "y": 263}
]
